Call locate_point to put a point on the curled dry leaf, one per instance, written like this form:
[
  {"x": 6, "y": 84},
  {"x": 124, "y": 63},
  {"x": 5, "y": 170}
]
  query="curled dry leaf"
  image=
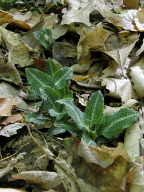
[
  {"x": 137, "y": 77},
  {"x": 46, "y": 179},
  {"x": 131, "y": 141},
  {"x": 100, "y": 39},
  {"x": 131, "y": 20},
  {"x": 84, "y": 170},
  {"x": 24, "y": 20},
  {"x": 102, "y": 156},
  {"x": 119, "y": 88}
]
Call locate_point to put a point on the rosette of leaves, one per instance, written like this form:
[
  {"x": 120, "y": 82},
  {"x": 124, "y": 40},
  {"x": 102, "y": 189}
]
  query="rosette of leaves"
[
  {"x": 52, "y": 89},
  {"x": 92, "y": 124},
  {"x": 48, "y": 87}
]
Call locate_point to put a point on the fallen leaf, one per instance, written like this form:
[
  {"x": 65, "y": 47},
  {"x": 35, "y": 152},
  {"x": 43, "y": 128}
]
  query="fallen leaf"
[
  {"x": 137, "y": 77},
  {"x": 12, "y": 119},
  {"x": 9, "y": 92},
  {"x": 136, "y": 177},
  {"x": 131, "y": 4},
  {"x": 119, "y": 88},
  {"x": 132, "y": 141},
  {"x": 79, "y": 11},
  {"x": 81, "y": 171},
  {"x": 11, "y": 129},
  {"x": 46, "y": 179},
  {"x": 10, "y": 190},
  {"x": 102, "y": 156},
  {"x": 6, "y": 106}
]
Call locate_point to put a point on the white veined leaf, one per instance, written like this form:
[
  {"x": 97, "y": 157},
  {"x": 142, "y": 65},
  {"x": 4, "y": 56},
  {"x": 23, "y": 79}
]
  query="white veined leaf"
[
  {"x": 94, "y": 109},
  {"x": 62, "y": 76},
  {"x": 52, "y": 66},
  {"x": 38, "y": 79},
  {"x": 115, "y": 124},
  {"x": 74, "y": 112}
]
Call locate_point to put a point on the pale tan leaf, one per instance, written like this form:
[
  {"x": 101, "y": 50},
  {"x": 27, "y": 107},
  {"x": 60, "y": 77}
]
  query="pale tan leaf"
[
  {"x": 9, "y": 92},
  {"x": 102, "y": 156},
  {"x": 137, "y": 77},
  {"x": 10, "y": 190},
  {"x": 12, "y": 119},
  {"x": 79, "y": 11},
  {"x": 11, "y": 129},
  {"x": 119, "y": 88},
  {"x": 132, "y": 141},
  {"x": 6, "y": 106},
  {"x": 47, "y": 179}
]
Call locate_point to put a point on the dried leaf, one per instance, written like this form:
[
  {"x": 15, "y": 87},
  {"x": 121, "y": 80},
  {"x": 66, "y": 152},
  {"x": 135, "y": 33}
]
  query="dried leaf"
[
  {"x": 131, "y": 4},
  {"x": 119, "y": 88},
  {"x": 131, "y": 142},
  {"x": 81, "y": 173},
  {"x": 6, "y": 106},
  {"x": 11, "y": 129},
  {"x": 10, "y": 190},
  {"x": 102, "y": 156},
  {"x": 19, "y": 52},
  {"x": 137, "y": 77},
  {"x": 9, "y": 92},
  {"x": 46, "y": 179},
  {"x": 12, "y": 119},
  {"x": 80, "y": 10}
]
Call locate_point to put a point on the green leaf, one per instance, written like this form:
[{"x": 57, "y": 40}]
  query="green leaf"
[
  {"x": 94, "y": 109},
  {"x": 74, "y": 112},
  {"x": 52, "y": 67},
  {"x": 50, "y": 96},
  {"x": 56, "y": 114},
  {"x": 36, "y": 118},
  {"x": 62, "y": 76},
  {"x": 87, "y": 139},
  {"x": 44, "y": 37},
  {"x": 56, "y": 131},
  {"x": 38, "y": 79},
  {"x": 71, "y": 128},
  {"x": 115, "y": 124}
]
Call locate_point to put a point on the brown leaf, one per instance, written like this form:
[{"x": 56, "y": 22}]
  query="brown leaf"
[
  {"x": 131, "y": 4},
  {"x": 12, "y": 119},
  {"x": 6, "y": 106}
]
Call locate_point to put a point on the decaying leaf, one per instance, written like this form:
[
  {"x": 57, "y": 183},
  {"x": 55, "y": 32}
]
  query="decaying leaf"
[
  {"x": 10, "y": 190},
  {"x": 17, "y": 118},
  {"x": 11, "y": 129},
  {"x": 80, "y": 10},
  {"x": 136, "y": 177},
  {"x": 131, "y": 4},
  {"x": 46, "y": 179},
  {"x": 9, "y": 92},
  {"x": 132, "y": 141},
  {"x": 119, "y": 88},
  {"x": 6, "y": 106},
  {"x": 137, "y": 76},
  {"x": 84, "y": 170}
]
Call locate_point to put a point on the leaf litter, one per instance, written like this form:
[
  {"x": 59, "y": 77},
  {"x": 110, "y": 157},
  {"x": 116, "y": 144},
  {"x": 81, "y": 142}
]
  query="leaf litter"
[{"x": 71, "y": 96}]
